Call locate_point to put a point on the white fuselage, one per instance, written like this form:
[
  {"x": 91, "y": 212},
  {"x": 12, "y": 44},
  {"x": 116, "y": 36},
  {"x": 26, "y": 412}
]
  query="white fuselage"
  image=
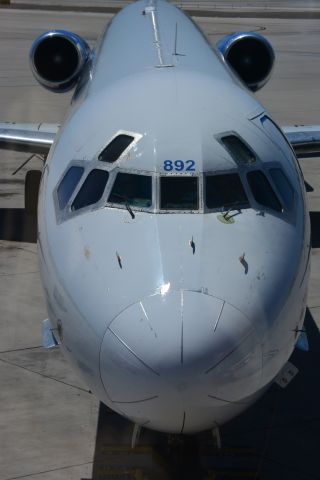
[{"x": 176, "y": 319}]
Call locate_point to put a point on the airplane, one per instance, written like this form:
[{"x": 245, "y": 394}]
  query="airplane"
[{"x": 173, "y": 231}]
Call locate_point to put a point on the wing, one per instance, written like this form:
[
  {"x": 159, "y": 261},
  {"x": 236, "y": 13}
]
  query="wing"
[
  {"x": 28, "y": 137},
  {"x": 305, "y": 139}
]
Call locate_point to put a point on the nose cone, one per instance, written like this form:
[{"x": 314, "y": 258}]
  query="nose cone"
[{"x": 180, "y": 361}]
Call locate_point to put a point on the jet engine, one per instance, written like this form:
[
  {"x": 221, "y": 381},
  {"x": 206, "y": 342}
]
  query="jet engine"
[
  {"x": 250, "y": 55},
  {"x": 57, "y": 59}
]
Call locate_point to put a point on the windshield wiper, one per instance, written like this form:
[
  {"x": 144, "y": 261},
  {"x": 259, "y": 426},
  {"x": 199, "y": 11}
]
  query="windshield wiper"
[
  {"x": 226, "y": 214},
  {"x": 123, "y": 197},
  {"x": 129, "y": 210}
]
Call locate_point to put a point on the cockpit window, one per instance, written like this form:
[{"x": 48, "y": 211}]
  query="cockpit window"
[
  {"x": 262, "y": 190},
  {"x": 68, "y": 185},
  {"x": 131, "y": 189},
  {"x": 238, "y": 150},
  {"x": 275, "y": 132},
  {"x": 224, "y": 191},
  {"x": 115, "y": 148},
  {"x": 179, "y": 193},
  {"x": 283, "y": 186},
  {"x": 92, "y": 189}
]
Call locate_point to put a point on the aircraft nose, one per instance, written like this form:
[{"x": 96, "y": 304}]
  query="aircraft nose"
[{"x": 170, "y": 359}]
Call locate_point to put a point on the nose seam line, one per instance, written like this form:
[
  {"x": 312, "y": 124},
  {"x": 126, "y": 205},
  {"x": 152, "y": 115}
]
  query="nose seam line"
[
  {"x": 219, "y": 316},
  {"x": 136, "y": 401},
  {"x": 133, "y": 353}
]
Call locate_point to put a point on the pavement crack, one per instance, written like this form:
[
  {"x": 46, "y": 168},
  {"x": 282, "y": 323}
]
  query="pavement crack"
[
  {"x": 21, "y": 349},
  {"x": 43, "y": 375},
  {"x": 48, "y": 471},
  {"x": 18, "y": 273}
]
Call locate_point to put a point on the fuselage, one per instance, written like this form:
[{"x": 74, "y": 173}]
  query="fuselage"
[{"x": 178, "y": 315}]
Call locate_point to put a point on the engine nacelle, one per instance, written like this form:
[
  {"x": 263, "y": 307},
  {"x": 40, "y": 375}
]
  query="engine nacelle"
[
  {"x": 57, "y": 58},
  {"x": 250, "y": 55}
]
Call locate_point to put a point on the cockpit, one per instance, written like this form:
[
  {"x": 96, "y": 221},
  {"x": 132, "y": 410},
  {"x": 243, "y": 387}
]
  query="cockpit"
[{"x": 106, "y": 183}]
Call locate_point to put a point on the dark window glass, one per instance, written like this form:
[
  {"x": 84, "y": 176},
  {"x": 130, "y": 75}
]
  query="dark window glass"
[
  {"x": 277, "y": 135},
  {"x": 262, "y": 190},
  {"x": 130, "y": 189},
  {"x": 68, "y": 185},
  {"x": 179, "y": 193},
  {"x": 91, "y": 190},
  {"x": 115, "y": 148},
  {"x": 274, "y": 131},
  {"x": 283, "y": 185},
  {"x": 238, "y": 150},
  {"x": 223, "y": 191}
]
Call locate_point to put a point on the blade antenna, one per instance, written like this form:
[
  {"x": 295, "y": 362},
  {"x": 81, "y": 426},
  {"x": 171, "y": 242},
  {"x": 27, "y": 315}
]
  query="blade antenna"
[
  {"x": 176, "y": 40},
  {"x": 175, "y": 53}
]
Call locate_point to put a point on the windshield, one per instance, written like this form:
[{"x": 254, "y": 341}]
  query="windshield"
[
  {"x": 239, "y": 151},
  {"x": 115, "y": 148},
  {"x": 224, "y": 191},
  {"x": 262, "y": 190},
  {"x": 92, "y": 189},
  {"x": 179, "y": 193},
  {"x": 131, "y": 189}
]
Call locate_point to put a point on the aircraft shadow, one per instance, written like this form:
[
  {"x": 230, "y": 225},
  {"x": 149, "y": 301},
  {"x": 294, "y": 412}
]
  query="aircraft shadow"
[
  {"x": 282, "y": 429},
  {"x": 315, "y": 229},
  {"x": 18, "y": 226},
  {"x": 276, "y": 438},
  {"x": 309, "y": 188}
]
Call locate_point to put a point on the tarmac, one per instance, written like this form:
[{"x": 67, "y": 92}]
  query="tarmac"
[{"x": 51, "y": 427}]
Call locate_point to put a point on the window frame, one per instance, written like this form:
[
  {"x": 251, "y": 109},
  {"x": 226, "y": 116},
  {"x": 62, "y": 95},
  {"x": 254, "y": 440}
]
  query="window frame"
[
  {"x": 97, "y": 202},
  {"x": 66, "y": 213},
  {"x": 259, "y": 206},
  {"x": 257, "y": 121},
  {"x": 277, "y": 165},
  {"x": 136, "y": 137},
  {"x": 63, "y": 176},
  {"x": 232, "y": 133},
  {"x": 134, "y": 208},
  {"x": 242, "y": 177},
  {"x": 198, "y": 175},
  {"x": 242, "y": 171}
]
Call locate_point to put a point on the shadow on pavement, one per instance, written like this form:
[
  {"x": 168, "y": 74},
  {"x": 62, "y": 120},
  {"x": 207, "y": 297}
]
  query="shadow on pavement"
[
  {"x": 315, "y": 229},
  {"x": 18, "y": 226},
  {"x": 276, "y": 439}
]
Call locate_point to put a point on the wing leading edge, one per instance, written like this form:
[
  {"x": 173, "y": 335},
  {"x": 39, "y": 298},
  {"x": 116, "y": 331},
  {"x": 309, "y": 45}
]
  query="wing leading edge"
[
  {"x": 39, "y": 137},
  {"x": 305, "y": 139},
  {"x": 28, "y": 137}
]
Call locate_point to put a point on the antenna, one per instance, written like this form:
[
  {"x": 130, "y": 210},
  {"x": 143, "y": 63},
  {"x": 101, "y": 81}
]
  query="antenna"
[
  {"x": 176, "y": 40},
  {"x": 176, "y": 43}
]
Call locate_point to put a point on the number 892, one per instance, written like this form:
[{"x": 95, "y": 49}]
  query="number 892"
[{"x": 179, "y": 166}]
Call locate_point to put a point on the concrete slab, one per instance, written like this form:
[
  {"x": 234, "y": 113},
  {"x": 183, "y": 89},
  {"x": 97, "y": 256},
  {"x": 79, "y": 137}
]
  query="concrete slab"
[
  {"x": 45, "y": 424},
  {"x": 77, "y": 472},
  {"x": 47, "y": 363},
  {"x": 23, "y": 309}
]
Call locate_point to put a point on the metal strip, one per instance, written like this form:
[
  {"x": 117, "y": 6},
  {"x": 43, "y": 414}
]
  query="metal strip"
[
  {"x": 151, "y": 10},
  {"x": 137, "y": 401}
]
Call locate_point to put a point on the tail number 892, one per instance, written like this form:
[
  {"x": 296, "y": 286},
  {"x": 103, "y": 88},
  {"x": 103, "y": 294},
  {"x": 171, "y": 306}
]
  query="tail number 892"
[{"x": 179, "y": 166}]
